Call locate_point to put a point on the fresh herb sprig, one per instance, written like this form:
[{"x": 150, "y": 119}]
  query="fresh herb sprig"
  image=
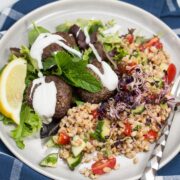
[{"x": 75, "y": 71}]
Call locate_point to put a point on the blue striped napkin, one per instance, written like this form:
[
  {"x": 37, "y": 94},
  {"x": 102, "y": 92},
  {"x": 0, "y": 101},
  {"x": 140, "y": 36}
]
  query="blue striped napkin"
[{"x": 167, "y": 10}]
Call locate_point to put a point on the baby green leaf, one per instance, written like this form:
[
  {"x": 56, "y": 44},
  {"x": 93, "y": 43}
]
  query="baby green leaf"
[{"x": 34, "y": 33}]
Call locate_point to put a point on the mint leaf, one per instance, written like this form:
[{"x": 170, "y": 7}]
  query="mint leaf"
[
  {"x": 83, "y": 79},
  {"x": 30, "y": 123},
  {"x": 48, "y": 63},
  {"x": 34, "y": 33},
  {"x": 76, "y": 72}
]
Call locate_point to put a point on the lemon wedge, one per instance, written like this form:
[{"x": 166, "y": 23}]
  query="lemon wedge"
[{"x": 12, "y": 85}]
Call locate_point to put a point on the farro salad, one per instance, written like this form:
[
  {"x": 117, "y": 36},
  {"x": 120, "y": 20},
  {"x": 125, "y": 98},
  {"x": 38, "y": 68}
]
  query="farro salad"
[{"x": 93, "y": 93}]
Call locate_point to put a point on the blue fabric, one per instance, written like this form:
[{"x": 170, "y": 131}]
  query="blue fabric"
[{"x": 167, "y": 10}]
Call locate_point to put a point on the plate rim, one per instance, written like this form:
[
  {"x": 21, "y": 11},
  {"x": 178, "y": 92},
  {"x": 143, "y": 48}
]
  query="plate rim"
[{"x": 51, "y": 4}]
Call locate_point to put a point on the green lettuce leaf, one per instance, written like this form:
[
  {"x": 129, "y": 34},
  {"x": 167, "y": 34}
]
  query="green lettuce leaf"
[
  {"x": 93, "y": 25},
  {"x": 109, "y": 39},
  {"x": 5, "y": 120},
  {"x": 30, "y": 123},
  {"x": 32, "y": 63},
  {"x": 34, "y": 33}
]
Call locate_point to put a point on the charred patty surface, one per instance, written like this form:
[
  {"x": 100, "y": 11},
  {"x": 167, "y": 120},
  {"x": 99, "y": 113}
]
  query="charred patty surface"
[
  {"x": 98, "y": 97},
  {"x": 69, "y": 40}
]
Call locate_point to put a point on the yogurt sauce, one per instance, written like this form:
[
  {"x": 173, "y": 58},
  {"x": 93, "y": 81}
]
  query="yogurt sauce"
[
  {"x": 44, "y": 98},
  {"x": 77, "y": 34},
  {"x": 44, "y": 40},
  {"x": 108, "y": 78}
]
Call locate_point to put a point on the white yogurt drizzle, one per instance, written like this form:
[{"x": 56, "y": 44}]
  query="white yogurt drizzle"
[
  {"x": 108, "y": 78},
  {"x": 77, "y": 34},
  {"x": 88, "y": 41},
  {"x": 112, "y": 30},
  {"x": 44, "y": 40},
  {"x": 44, "y": 98}
]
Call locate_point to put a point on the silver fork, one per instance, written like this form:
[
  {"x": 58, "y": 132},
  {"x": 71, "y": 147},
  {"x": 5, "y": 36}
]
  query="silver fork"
[{"x": 152, "y": 166}]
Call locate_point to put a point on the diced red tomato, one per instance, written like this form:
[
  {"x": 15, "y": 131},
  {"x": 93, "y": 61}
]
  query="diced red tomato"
[
  {"x": 98, "y": 166},
  {"x": 152, "y": 42},
  {"x": 63, "y": 139},
  {"x": 121, "y": 68},
  {"x": 141, "y": 47},
  {"x": 130, "y": 38},
  {"x": 127, "y": 129},
  {"x": 126, "y": 68},
  {"x": 133, "y": 63},
  {"x": 171, "y": 73},
  {"x": 159, "y": 45},
  {"x": 95, "y": 113},
  {"x": 151, "y": 135}
]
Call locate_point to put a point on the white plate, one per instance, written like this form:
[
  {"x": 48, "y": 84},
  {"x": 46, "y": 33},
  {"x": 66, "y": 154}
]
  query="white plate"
[{"x": 127, "y": 16}]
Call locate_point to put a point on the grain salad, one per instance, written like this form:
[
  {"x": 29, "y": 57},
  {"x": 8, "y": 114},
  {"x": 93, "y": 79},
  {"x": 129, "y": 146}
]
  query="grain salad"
[
  {"x": 94, "y": 92},
  {"x": 132, "y": 117}
]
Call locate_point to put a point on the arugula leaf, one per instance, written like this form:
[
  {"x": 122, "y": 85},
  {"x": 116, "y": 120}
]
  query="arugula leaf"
[
  {"x": 76, "y": 72},
  {"x": 30, "y": 123},
  {"x": 34, "y": 33}
]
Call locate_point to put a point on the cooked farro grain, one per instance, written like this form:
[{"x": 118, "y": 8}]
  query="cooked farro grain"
[{"x": 131, "y": 131}]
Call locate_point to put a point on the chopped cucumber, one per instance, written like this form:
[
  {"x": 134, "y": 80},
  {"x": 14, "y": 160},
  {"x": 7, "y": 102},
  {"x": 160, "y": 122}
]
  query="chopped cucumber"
[
  {"x": 102, "y": 130},
  {"x": 50, "y": 143},
  {"x": 50, "y": 160},
  {"x": 164, "y": 106},
  {"x": 105, "y": 130},
  {"x": 159, "y": 82},
  {"x": 74, "y": 161},
  {"x": 138, "y": 109},
  {"x": 76, "y": 150}
]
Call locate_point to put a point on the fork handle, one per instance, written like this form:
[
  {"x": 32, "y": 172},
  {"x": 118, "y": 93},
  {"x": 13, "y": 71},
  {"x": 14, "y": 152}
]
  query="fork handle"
[{"x": 152, "y": 166}]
